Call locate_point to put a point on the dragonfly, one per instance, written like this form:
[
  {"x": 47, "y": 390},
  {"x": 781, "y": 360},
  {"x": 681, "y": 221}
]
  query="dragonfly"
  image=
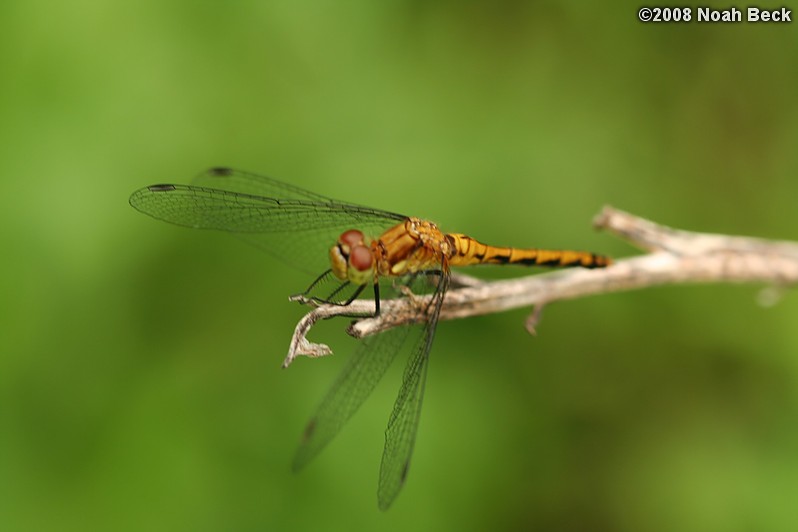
[{"x": 353, "y": 246}]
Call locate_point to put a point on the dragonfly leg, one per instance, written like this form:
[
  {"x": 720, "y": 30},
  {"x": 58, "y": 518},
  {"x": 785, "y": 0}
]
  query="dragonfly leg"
[
  {"x": 353, "y": 296},
  {"x": 318, "y": 280},
  {"x": 329, "y": 298},
  {"x": 407, "y": 292},
  {"x": 405, "y": 288},
  {"x": 431, "y": 273},
  {"x": 417, "y": 300},
  {"x": 377, "y": 300}
]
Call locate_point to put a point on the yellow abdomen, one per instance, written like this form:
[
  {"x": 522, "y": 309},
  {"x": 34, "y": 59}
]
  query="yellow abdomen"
[{"x": 467, "y": 251}]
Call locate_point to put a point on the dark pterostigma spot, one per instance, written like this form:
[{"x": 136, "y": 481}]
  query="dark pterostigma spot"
[
  {"x": 161, "y": 188},
  {"x": 309, "y": 430},
  {"x": 221, "y": 171}
]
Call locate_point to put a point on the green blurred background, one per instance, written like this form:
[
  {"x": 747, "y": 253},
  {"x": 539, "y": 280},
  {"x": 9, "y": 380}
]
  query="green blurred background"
[{"x": 140, "y": 380}]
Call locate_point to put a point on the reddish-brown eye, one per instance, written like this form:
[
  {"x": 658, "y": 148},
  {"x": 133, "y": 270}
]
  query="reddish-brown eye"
[
  {"x": 361, "y": 258},
  {"x": 351, "y": 238}
]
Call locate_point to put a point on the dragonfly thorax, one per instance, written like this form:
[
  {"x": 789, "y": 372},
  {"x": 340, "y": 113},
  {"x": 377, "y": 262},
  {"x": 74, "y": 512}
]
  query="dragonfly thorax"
[
  {"x": 409, "y": 247},
  {"x": 351, "y": 258}
]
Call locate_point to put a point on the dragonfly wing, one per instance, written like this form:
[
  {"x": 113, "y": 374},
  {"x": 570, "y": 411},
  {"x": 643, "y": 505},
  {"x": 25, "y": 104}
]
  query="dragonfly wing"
[
  {"x": 359, "y": 378},
  {"x": 355, "y": 383},
  {"x": 400, "y": 436},
  {"x": 295, "y": 225},
  {"x": 254, "y": 184},
  {"x": 250, "y": 184}
]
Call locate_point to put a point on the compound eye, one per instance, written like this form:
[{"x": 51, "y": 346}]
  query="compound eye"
[
  {"x": 361, "y": 258},
  {"x": 351, "y": 238}
]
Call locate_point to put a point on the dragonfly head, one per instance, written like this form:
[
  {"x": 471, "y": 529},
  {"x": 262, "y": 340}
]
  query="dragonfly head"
[{"x": 351, "y": 258}]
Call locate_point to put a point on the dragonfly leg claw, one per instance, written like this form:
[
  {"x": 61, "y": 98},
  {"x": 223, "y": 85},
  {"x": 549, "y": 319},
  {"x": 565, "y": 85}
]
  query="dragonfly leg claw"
[
  {"x": 408, "y": 293},
  {"x": 302, "y": 299}
]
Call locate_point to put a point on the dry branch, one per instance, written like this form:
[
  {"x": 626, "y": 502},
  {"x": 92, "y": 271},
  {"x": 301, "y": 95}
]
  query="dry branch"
[{"x": 673, "y": 256}]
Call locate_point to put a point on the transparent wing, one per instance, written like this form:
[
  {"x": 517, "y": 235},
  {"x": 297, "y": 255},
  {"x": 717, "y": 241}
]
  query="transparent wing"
[
  {"x": 400, "y": 436},
  {"x": 296, "y": 225},
  {"x": 254, "y": 184},
  {"x": 360, "y": 376},
  {"x": 354, "y": 384}
]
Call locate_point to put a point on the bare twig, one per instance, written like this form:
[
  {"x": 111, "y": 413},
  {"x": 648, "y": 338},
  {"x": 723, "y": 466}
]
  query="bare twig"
[{"x": 673, "y": 257}]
